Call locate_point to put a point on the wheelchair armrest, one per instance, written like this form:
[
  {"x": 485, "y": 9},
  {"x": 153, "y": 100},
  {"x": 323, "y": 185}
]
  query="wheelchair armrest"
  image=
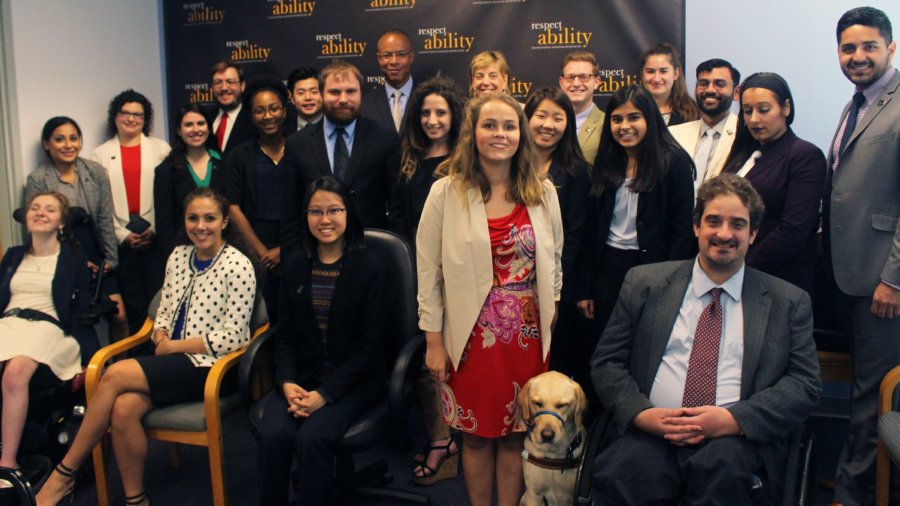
[
  {"x": 250, "y": 370},
  {"x": 105, "y": 354},
  {"x": 410, "y": 355},
  {"x": 585, "y": 469},
  {"x": 886, "y": 393}
]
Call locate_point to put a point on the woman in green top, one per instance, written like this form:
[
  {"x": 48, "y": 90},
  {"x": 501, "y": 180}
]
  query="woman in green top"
[{"x": 192, "y": 163}]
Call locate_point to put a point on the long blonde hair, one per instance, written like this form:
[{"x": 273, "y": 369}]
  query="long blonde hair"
[{"x": 462, "y": 166}]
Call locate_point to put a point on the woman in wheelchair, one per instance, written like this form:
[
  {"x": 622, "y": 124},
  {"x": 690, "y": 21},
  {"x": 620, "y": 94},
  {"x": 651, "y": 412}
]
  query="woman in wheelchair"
[
  {"x": 86, "y": 184},
  {"x": 204, "y": 313},
  {"x": 44, "y": 285},
  {"x": 328, "y": 348}
]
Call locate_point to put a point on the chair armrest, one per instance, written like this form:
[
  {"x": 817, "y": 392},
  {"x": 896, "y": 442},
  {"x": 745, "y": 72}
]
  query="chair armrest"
[
  {"x": 886, "y": 394},
  {"x": 254, "y": 378},
  {"x": 410, "y": 355},
  {"x": 98, "y": 361},
  {"x": 213, "y": 387}
]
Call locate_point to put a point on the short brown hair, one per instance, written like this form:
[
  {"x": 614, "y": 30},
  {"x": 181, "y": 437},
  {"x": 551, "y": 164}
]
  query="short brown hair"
[
  {"x": 339, "y": 69},
  {"x": 579, "y": 55},
  {"x": 731, "y": 184},
  {"x": 224, "y": 65}
]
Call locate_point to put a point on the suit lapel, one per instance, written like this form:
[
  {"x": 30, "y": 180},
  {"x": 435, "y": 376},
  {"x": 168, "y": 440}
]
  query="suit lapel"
[
  {"x": 880, "y": 103},
  {"x": 756, "y": 304},
  {"x": 360, "y": 144},
  {"x": 666, "y": 302},
  {"x": 590, "y": 126},
  {"x": 320, "y": 148}
]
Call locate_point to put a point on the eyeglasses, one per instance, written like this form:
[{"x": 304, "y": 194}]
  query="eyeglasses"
[
  {"x": 570, "y": 78},
  {"x": 218, "y": 83},
  {"x": 133, "y": 115},
  {"x": 273, "y": 109},
  {"x": 392, "y": 54},
  {"x": 318, "y": 213},
  {"x": 718, "y": 83}
]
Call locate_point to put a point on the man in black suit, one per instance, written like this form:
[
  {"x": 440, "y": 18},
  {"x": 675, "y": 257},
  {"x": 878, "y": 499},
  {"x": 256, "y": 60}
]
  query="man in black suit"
[
  {"x": 303, "y": 89},
  {"x": 231, "y": 123},
  {"x": 354, "y": 149},
  {"x": 696, "y": 423},
  {"x": 387, "y": 104}
]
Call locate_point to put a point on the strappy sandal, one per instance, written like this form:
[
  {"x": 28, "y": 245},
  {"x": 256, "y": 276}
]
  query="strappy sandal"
[
  {"x": 71, "y": 476},
  {"x": 447, "y": 466},
  {"x": 137, "y": 500}
]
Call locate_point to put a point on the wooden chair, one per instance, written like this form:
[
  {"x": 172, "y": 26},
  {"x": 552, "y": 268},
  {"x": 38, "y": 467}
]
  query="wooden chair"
[
  {"x": 888, "y": 436},
  {"x": 194, "y": 423}
]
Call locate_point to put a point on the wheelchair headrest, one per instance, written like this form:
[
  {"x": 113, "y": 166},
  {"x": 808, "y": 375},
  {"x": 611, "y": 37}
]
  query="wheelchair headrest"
[{"x": 77, "y": 216}]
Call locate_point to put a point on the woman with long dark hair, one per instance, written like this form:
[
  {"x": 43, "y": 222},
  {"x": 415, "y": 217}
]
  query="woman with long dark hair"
[
  {"x": 194, "y": 162},
  {"x": 329, "y": 358},
  {"x": 787, "y": 172},
  {"x": 551, "y": 117},
  {"x": 641, "y": 202},
  {"x": 204, "y": 313},
  {"x": 662, "y": 74}
]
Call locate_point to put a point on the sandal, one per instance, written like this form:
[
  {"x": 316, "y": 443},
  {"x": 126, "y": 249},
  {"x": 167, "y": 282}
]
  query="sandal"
[
  {"x": 136, "y": 500},
  {"x": 447, "y": 466},
  {"x": 70, "y": 476}
]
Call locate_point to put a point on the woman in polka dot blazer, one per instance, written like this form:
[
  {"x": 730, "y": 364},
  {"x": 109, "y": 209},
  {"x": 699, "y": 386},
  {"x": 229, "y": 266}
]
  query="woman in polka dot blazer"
[{"x": 204, "y": 313}]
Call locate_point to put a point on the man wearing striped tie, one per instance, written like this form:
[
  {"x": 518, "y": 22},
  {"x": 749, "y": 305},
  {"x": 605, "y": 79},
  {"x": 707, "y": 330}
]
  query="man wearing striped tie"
[{"x": 707, "y": 366}]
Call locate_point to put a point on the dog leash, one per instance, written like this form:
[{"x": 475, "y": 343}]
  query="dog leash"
[{"x": 567, "y": 462}]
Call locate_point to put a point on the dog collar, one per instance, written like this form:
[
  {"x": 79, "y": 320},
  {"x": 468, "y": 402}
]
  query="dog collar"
[{"x": 567, "y": 462}]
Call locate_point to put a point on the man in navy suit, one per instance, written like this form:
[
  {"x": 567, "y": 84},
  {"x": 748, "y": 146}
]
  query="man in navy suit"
[
  {"x": 354, "y": 149},
  {"x": 862, "y": 232},
  {"x": 387, "y": 104},
  {"x": 303, "y": 86},
  {"x": 707, "y": 366}
]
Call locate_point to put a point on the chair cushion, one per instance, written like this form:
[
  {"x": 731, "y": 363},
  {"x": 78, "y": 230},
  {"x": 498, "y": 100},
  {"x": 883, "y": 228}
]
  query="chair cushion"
[
  {"x": 889, "y": 432},
  {"x": 189, "y": 416}
]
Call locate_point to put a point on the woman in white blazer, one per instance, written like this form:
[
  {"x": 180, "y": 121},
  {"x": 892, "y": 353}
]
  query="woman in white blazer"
[
  {"x": 489, "y": 249},
  {"x": 130, "y": 157}
]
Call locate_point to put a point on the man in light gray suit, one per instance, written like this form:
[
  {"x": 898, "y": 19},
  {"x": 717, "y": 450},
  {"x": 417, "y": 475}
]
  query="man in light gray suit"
[
  {"x": 707, "y": 366},
  {"x": 862, "y": 232}
]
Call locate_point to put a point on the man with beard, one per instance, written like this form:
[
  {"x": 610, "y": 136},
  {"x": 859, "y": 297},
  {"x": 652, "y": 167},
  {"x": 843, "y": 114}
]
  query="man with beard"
[
  {"x": 862, "y": 232},
  {"x": 387, "y": 104},
  {"x": 231, "y": 124},
  {"x": 354, "y": 149},
  {"x": 709, "y": 138},
  {"x": 695, "y": 423}
]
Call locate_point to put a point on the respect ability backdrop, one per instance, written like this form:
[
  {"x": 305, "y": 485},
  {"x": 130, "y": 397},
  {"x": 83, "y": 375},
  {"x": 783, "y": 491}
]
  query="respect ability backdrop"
[{"x": 275, "y": 36}]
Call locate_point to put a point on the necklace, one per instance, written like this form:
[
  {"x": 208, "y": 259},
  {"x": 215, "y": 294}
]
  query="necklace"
[
  {"x": 43, "y": 264},
  {"x": 271, "y": 156}
]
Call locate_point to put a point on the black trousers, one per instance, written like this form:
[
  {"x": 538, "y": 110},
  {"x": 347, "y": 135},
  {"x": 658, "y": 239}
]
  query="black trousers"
[
  {"x": 641, "y": 469},
  {"x": 614, "y": 264},
  {"x": 311, "y": 440},
  {"x": 140, "y": 275}
]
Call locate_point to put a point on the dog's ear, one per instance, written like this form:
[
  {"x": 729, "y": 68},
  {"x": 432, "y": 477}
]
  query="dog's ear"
[
  {"x": 523, "y": 402},
  {"x": 580, "y": 403}
]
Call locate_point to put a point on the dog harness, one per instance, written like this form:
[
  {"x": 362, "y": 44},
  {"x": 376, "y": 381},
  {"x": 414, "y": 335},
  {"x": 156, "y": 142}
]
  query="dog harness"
[{"x": 567, "y": 462}]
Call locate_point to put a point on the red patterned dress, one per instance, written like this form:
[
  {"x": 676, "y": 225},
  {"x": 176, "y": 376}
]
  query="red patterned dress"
[{"x": 504, "y": 348}]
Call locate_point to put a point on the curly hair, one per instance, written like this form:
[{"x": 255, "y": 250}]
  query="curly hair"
[{"x": 115, "y": 105}]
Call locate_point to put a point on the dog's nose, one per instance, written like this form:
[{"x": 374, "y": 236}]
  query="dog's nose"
[{"x": 547, "y": 435}]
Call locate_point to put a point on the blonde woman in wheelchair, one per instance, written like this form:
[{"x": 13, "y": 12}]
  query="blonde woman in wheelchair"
[{"x": 205, "y": 308}]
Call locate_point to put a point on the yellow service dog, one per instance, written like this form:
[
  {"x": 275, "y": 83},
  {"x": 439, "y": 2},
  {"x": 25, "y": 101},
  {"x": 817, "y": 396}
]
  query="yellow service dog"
[{"x": 551, "y": 405}]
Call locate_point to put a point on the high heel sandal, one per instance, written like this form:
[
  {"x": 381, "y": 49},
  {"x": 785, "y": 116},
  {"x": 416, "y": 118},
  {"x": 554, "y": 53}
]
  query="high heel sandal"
[
  {"x": 136, "y": 500},
  {"x": 71, "y": 476},
  {"x": 447, "y": 466}
]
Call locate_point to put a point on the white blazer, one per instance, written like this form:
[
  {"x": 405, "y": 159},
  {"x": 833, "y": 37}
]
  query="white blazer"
[
  {"x": 455, "y": 267},
  {"x": 687, "y": 134},
  {"x": 108, "y": 154}
]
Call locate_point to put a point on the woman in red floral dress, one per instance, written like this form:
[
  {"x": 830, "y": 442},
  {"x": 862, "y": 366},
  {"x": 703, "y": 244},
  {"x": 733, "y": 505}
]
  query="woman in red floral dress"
[{"x": 489, "y": 246}]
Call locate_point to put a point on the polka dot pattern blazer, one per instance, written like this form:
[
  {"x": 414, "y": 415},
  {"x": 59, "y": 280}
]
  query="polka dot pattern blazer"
[{"x": 219, "y": 299}]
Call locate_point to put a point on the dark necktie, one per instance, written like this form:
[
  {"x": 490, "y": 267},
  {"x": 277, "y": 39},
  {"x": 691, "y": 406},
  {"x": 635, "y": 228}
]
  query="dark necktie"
[
  {"x": 858, "y": 100},
  {"x": 700, "y": 383},
  {"x": 341, "y": 156}
]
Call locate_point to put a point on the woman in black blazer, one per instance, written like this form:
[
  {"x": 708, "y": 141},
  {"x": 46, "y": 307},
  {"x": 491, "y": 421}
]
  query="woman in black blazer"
[
  {"x": 789, "y": 175},
  {"x": 193, "y": 163},
  {"x": 44, "y": 286},
  {"x": 641, "y": 202},
  {"x": 329, "y": 358}
]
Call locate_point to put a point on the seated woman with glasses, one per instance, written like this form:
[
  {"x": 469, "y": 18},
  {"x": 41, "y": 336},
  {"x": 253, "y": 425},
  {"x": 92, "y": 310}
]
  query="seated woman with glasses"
[
  {"x": 130, "y": 157},
  {"x": 328, "y": 350},
  {"x": 44, "y": 286},
  {"x": 204, "y": 314},
  {"x": 253, "y": 183}
]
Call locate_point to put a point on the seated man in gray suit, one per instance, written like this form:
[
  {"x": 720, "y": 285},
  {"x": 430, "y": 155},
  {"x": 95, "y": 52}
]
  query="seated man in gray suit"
[
  {"x": 707, "y": 366},
  {"x": 709, "y": 139}
]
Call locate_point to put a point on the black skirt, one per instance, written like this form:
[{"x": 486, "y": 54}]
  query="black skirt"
[{"x": 173, "y": 379}]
